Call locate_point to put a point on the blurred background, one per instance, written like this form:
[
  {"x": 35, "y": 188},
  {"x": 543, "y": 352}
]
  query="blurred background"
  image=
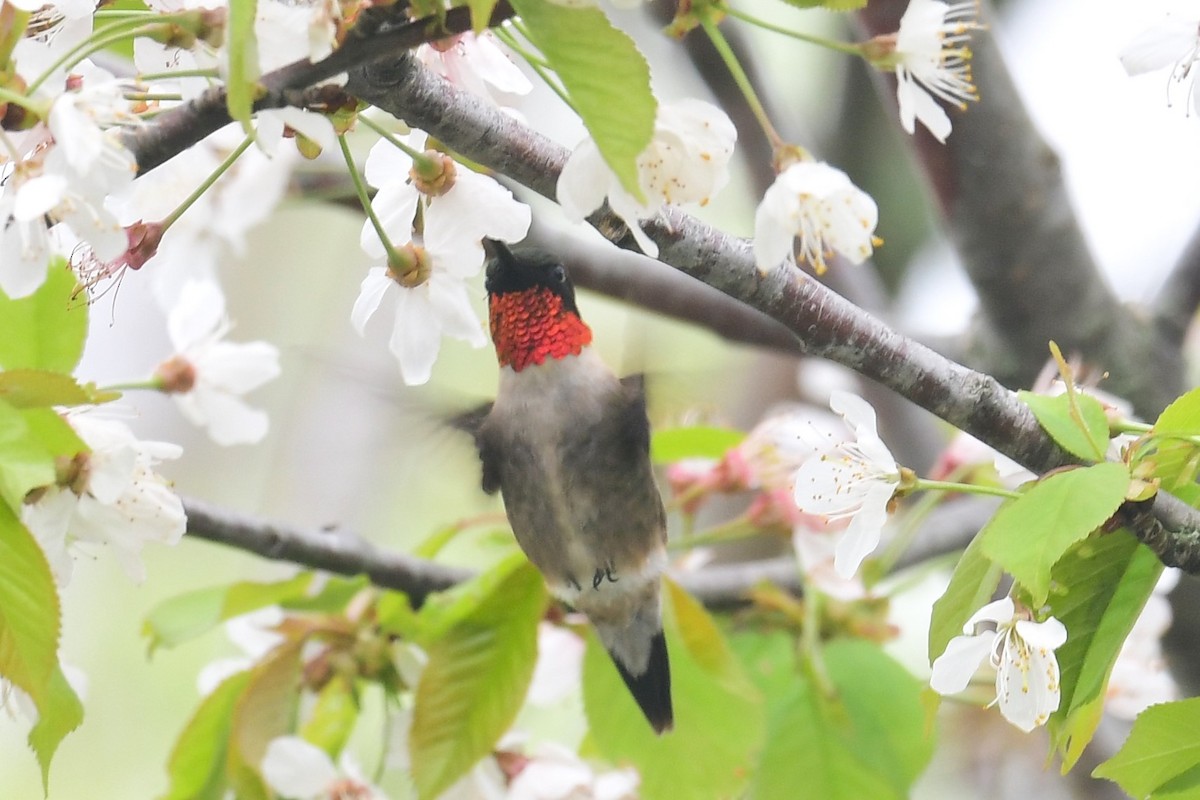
[{"x": 351, "y": 447}]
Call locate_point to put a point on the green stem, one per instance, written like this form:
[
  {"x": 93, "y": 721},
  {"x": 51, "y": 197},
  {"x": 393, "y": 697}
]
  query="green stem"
[
  {"x": 926, "y": 485},
  {"x": 149, "y": 97},
  {"x": 360, "y": 189},
  {"x": 740, "y": 78},
  {"x": 183, "y": 73},
  {"x": 536, "y": 62},
  {"x": 150, "y": 384},
  {"x": 810, "y": 640},
  {"x": 25, "y": 101},
  {"x": 1128, "y": 426},
  {"x": 99, "y": 41},
  {"x": 207, "y": 184},
  {"x": 841, "y": 47},
  {"x": 395, "y": 140}
]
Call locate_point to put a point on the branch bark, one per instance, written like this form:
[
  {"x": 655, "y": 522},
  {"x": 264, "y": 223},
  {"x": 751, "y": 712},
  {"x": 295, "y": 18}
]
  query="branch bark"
[
  {"x": 825, "y": 323},
  {"x": 1020, "y": 242},
  {"x": 1177, "y": 300}
]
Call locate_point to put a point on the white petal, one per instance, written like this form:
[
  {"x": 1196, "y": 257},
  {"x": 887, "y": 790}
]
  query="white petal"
[
  {"x": 417, "y": 336},
  {"x": 198, "y": 312},
  {"x": 1027, "y": 684},
  {"x": 955, "y": 667},
  {"x": 862, "y": 536},
  {"x": 1159, "y": 46},
  {"x": 297, "y": 769},
  {"x": 238, "y": 367},
  {"x": 386, "y": 164},
  {"x": 449, "y": 298},
  {"x": 773, "y": 238},
  {"x": 396, "y": 207},
  {"x": 228, "y": 419},
  {"x": 369, "y": 296},
  {"x": 37, "y": 196},
  {"x": 584, "y": 181},
  {"x": 998, "y": 611},
  {"x": 316, "y": 127},
  {"x": 1048, "y": 635}
]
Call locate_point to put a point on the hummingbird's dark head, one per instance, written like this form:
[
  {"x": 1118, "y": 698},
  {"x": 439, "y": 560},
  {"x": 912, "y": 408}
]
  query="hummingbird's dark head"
[{"x": 531, "y": 307}]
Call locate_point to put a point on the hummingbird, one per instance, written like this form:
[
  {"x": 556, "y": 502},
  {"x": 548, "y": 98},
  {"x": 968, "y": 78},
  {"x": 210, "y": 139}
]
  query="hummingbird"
[{"x": 567, "y": 445}]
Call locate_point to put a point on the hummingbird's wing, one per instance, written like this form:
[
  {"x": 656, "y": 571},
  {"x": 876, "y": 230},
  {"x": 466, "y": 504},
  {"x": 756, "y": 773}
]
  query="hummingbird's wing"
[{"x": 471, "y": 421}]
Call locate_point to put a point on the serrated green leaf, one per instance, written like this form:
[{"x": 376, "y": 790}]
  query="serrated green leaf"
[
  {"x": 475, "y": 681},
  {"x": 606, "y": 77},
  {"x": 674, "y": 444},
  {"x": 444, "y": 610},
  {"x": 867, "y": 741},
  {"x": 1161, "y": 747},
  {"x": 1085, "y": 436},
  {"x": 24, "y": 462},
  {"x": 1182, "y": 417},
  {"x": 45, "y": 330},
  {"x": 1102, "y": 584},
  {"x": 1029, "y": 534},
  {"x": 34, "y": 388},
  {"x": 719, "y": 712},
  {"x": 332, "y": 719},
  {"x": 241, "y": 85},
  {"x": 189, "y": 615},
  {"x": 263, "y": 711},
  {"x": 59, "y": 714},
  {"x": 971, "y": 587},
  {"x": 196, "y": 768},
  {"x": 29, "y": 611}
]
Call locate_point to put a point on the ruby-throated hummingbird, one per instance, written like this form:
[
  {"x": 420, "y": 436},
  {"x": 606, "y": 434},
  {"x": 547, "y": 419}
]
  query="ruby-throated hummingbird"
[{"x": 567, "y": 444}]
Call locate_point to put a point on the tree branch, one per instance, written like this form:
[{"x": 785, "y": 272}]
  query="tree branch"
[
  {"x": 826, "y": 324},
  {"x": 175, "y": 130},
  {"x": 1177, "y": 300},
  {"x": 1020, "y": 242}
]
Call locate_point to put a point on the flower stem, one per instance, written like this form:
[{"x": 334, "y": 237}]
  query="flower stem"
[
  {"x": 360, "y": 189},
  {"x": 739, "y": 77},
  {"x": 926, "y": 485},
  {"x": 105, "y": 37},
  {"x": 420, "y": 160},
  {"x": 183, "y": 73},
  {"x": 207, "y": 184},
  {"x": 810, "y": 639},
  {"x": 154, "y": 384},
  {"x": 9, "y": 96},
  {"x": 840, "y": 47}
]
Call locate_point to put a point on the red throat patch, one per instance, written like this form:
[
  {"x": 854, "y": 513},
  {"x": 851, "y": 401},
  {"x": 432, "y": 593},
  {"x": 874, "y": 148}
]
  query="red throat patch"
[{"x": 530, "y": 326}]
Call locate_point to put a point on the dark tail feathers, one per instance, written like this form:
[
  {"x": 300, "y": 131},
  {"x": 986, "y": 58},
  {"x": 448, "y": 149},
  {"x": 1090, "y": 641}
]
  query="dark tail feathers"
[{"x": 652, "y": 688}]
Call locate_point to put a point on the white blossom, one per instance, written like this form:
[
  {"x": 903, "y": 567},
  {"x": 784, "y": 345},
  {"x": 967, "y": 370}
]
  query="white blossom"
[
  {"x": 819, "y": 205},
  {"x": 933, "y": 60},
  {"x": 433, "y": 301},
  {"x": 850, "y": 479},
  {"x": 208, "y": 375},
  {"x": 1174, "y": 43},
  {"x": 475, "y": 63},
  {"x": 554, "y": 772},
  {"x": 114, "y": 498},
  {"x": 1022, "y": 653},
  {"x": 687, "y": 161},
  {"x": 299, "y": 770},
  {"x": 252, "y": 633}
]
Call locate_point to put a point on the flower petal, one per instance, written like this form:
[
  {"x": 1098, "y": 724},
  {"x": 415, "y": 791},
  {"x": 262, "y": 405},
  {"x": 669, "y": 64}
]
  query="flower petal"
[
  {"x": 955, "y": 667},
  {"x": 297, "y": 769},
  {"x": 369, "y": 296}
]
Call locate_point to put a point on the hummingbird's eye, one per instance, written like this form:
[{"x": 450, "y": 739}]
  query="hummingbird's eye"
[{"x": 558, "y": 275}]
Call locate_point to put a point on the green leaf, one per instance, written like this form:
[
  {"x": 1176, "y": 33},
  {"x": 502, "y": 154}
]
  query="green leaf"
[
  {"x": 719, "y": 712},
  {"x": 1029, "y": 534},
  {"x": 59, "y": 713},
  {"x": 189, "y": 615},
  {"x": 606, "y": 77},
  {"x": 242, "y": 82},
  {"x": 481, "y": 14},
  {"x": 1102, "y": 584},
  {"x": 36, "y": 388},
  {"x": 700, "y": 441},
  {"x": 263, "y": 711},
  {"x": 1085, "y": 436},
  {"x": 196, "y": 769},
  {"x": 45, "y": 330},
  {"x": 1182, "y": 417},
  {"x": 475, "y": 681},
  {"x": 971, "y": 587},
  {"x": 1161, "y": 749},
  {"x": 29, "y": 611},
  {"x": 868, "y": 740},
  {"x": 332, "y": 719},
  {"x": 25, "y": 463}
]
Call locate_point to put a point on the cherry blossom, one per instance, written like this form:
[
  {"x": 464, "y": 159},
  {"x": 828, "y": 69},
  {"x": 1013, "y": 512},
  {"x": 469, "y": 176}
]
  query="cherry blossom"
[
  {"x": 1022, "y": 653},
  {"x": 299, "y": 770},
  {"x": 108, "y": 496},
  {"x": 432, "y": 300},
  {"x": 817, "y": 204},
  {"x": 932, "y": 60},
  {"x": 850, "y": 479},
  {"x": 687, "y": 161},
  {"x": 254, "y": 637},
  {"x": 208, "y": 375},
  {"x": 475, "y": 63},
  {"x": 1174, "y": 43}
]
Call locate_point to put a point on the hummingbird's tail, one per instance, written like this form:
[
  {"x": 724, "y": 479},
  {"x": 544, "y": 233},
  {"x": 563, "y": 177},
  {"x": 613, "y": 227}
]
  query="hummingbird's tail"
[{"x": 639, "y": 650}]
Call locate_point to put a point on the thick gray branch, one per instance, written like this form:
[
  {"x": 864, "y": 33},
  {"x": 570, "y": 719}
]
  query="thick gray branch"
[
  {"x": 825, "y": 323},
  {"x": 1001, "y": 192},
  {"x": 1177, "y": 301}
]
